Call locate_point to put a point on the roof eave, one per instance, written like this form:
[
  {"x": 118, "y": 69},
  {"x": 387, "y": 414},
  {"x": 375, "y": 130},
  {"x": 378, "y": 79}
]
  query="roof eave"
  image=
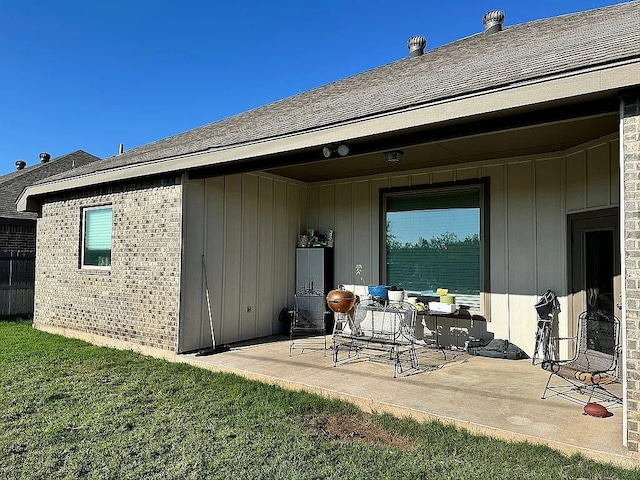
[{"x": 593, "y": 80}]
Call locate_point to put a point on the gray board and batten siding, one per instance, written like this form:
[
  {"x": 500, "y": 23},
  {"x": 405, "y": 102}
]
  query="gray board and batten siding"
[
  {"x": 530, "y": 199},
  {"x": 246, "y": 226}
]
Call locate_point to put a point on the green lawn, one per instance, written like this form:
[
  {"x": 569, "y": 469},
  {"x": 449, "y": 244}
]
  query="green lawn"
[{"x": 72, "y": 410}]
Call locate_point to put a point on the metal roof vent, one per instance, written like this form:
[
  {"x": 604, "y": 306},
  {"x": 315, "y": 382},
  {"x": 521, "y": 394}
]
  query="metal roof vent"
[
  {"x": 493, "y": 21},
  {"x": 45, "y": 157},
  {"x": 20, "y": 164},
  {"x": 416, "y": 45}
]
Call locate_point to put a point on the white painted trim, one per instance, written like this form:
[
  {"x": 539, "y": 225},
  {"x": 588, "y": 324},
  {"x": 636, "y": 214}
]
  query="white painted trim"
[
  {"x": 538, "y": 91},
  {"x": 623, "y": 289},
  {"x": 83, "y": 266},
  {"x": 592, "y": 143}
]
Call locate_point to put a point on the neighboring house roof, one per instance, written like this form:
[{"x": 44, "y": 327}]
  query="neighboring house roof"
[
  {"x": 536, "y": 51},
  {"x": 12, "y": 184}
]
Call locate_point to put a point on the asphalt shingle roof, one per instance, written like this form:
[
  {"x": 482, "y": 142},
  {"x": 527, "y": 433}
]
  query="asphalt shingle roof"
[
  {"x": 12, "y": 184},
  {"x": 474, "y": 64}
]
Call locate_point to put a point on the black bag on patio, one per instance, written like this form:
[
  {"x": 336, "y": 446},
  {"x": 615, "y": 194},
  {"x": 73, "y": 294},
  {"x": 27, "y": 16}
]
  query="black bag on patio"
[
  {"x": 285, "y": 318},
  {"x": 498, "y": 348}
]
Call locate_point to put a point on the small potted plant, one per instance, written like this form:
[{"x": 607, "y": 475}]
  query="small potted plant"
[
  {"x": 396, "y": 294},
  {"x": 376, "y": 291}
]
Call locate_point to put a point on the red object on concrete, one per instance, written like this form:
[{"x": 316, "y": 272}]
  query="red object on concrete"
[
  {"x": 596, "y": 410},
  {"x": 341, "y": 301}
]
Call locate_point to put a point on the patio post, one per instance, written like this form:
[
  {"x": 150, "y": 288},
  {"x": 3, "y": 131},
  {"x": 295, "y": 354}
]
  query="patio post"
[{"x": 630, "y": 238}]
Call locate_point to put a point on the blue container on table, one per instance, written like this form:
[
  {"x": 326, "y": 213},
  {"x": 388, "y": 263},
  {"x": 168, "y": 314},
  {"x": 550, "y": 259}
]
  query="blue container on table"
[{"x": 379, "y": 291}]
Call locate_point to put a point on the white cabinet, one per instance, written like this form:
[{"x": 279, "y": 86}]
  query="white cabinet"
[{"x": 314, "y": 268}]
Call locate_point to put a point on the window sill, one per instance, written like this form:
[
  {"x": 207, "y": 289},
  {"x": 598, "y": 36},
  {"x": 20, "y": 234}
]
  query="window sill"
[{"x": 103, "y": 271}]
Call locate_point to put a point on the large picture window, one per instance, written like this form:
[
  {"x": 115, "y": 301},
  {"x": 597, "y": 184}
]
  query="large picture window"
[
  {"x": 434, "y": 238},
  {"x": 96, "y": 236}
]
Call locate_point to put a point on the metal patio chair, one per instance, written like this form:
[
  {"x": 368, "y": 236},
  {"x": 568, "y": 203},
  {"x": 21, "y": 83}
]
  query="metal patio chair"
[
  {"x": 593, "y": 370},
  {"x": 308, "y": 325}
]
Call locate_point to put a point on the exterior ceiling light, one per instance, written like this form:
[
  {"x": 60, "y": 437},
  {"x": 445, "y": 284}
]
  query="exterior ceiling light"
[
  {"x": 341, "y": 150},
  {"x": 393, "y": 156}
]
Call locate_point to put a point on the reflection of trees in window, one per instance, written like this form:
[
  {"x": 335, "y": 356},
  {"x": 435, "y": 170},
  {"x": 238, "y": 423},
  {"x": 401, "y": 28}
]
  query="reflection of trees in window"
[
  {"x": 441, "y": 261},
  {"x": 434, "y": 239}
]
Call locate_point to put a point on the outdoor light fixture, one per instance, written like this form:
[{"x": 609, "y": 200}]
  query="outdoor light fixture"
[
  {"x": 341, "y": 150},
  {"x": 393, "y": 156}
]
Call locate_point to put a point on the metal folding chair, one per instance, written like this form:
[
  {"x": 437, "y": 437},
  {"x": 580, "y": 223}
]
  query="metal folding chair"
[{"x": 546, "y": 308}]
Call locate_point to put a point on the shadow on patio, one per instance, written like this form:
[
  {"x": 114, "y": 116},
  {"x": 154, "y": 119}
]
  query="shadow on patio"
[{"x": 487, "y": 396}]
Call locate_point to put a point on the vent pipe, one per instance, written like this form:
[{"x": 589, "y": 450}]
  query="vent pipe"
[
  {"x": 45, "y": 157},
  {"x": 20, "y": 164},
  {"x": 493, "y": 21},
  {"x": 121, "y": 149},
  {"x": 416, "y": 45}
]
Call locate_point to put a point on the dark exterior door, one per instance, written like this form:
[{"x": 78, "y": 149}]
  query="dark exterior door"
[{"x": 594, "y": 264}]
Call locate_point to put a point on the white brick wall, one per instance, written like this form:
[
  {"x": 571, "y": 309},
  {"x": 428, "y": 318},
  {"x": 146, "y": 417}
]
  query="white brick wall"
[
  {"x": 138, "y": 299},
  {"x": 631, "y": 165}
]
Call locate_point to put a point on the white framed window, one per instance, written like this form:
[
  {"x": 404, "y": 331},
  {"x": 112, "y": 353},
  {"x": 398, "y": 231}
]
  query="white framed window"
[
  {"x": 435, "y": 237},
  {"x": 96, "y": 237}
]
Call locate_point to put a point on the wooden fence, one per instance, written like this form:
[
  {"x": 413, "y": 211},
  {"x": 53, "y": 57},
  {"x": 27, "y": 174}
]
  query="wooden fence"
[{"x": 17, "y": 279}]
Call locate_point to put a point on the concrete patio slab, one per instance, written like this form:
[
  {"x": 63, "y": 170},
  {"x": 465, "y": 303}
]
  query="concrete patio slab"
[{"x": 495, "y": 397}]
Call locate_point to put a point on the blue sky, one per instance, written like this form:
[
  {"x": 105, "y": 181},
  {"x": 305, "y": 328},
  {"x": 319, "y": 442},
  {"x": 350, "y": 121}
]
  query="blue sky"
[
  {"x": 409, "y": 227},
  {"x": 93, "y": 74}
]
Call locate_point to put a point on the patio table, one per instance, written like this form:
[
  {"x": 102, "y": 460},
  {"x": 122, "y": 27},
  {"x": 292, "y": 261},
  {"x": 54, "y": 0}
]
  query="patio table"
[{"x": 460, "y": 314}]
